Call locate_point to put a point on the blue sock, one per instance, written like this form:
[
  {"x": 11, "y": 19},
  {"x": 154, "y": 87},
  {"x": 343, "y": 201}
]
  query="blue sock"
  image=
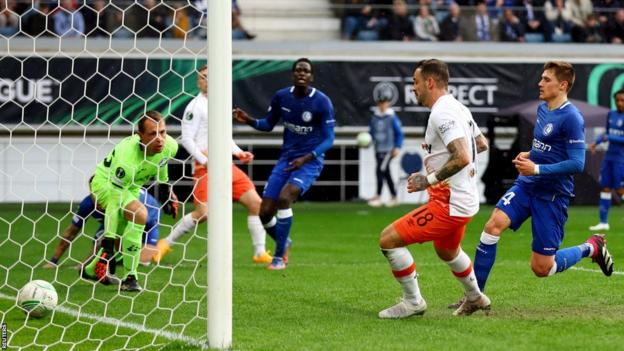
[
  {"x": 570, "y": 256},
  {"x": 485, "y": 256},
  {"x": 605, "y": 203},
  {"x": 282, "y": 230}
]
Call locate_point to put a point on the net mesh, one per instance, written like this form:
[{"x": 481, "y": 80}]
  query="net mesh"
[{"x": 74, "y": 78}]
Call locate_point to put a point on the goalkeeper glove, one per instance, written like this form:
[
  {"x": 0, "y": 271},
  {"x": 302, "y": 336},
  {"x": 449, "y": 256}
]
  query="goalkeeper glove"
[{"x": 170, "y": 206}]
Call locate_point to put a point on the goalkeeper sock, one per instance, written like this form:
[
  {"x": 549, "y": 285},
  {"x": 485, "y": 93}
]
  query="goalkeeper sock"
[
  {"x": 404, "y": 270},
  {"x": 270, "y": 228},
  {"x": 131, "y": 247},
  {"x": 90, "y": 268},
  {"x": 605, "y": 204},
  {"x": 570, "y": 256},
  {"x": 282, "y": 230},
  {"x": 462, "y": 270},
  {"x": 256, "y": 230},
  {"x": 184, "y": 225},
  {"x": 485, "y": 256}
]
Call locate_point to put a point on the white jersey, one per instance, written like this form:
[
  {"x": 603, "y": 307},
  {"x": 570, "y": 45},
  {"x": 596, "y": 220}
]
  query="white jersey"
[
  {"x": 450, "y": 120},
  {"x": 195, "y": 129}
]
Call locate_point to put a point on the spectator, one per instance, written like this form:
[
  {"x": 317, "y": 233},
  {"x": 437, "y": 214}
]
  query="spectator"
[
  {"x": 200, "y": 17},
  {"x": 96, "y": 19},
  {"x": 511, "y": 30},
  {"x": 159, "y": 18},
  {"x": 605, "y": 9},
  {"x": 479, "y": 27},
  {"x": 35, "y": 23},
  {"x": 68, "y": 22},
  {"x": 591, "y": 32},
  {"x": 9, "y": 19},
  {"x": 615, "y": 29},
  {"x": 238, "y": 31},
  {"x": 579, "y": 10},
  {"x": 181, "y": 21},
  {"x": 558, "y": 16},
  {"x": 449, "y": 28},
  {"x": 399, "y": 24},
  {"x": 425, "y": 25},
  {"x": 149, "y": 20},
  {"x": 496, "y": 8},
  {"x": 116, "y": 25},
  {"x": 534, "y": 20},
  {"x": 365, "y": 24}
]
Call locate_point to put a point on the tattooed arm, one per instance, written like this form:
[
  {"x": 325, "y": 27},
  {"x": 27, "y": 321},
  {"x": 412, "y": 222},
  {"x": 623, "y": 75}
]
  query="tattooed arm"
[{"x": 460, "y": 158}]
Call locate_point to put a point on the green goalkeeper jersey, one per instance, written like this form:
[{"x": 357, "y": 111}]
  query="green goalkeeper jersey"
[{"x": 128, "y": 167}]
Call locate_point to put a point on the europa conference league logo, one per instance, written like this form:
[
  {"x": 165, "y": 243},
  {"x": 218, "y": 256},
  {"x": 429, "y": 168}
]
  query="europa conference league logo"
[{"x": 595, "y": 84}]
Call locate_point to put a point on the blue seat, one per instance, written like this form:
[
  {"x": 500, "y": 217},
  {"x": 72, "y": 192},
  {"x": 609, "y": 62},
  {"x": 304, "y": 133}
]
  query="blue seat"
[
  {"x": 561, "y": 38},
  {"x": 534, "y": 37},
  {"x": 368, "y": 35}
]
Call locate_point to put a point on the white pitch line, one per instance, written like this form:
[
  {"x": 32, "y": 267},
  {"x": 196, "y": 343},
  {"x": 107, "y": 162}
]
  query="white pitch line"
[
  {"x": 594, "y": 270},
  {"x": 116, "y": 322}
]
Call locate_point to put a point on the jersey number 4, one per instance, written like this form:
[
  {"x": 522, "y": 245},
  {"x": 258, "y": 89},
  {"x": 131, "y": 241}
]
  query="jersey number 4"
[{"x": 507, "y": 198}]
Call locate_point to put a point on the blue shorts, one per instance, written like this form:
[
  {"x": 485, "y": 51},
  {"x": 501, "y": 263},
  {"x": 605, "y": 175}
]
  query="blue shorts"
[
  {"x": 302, "y": 178},
  {"x": 151, "y": 238},
  {"x": 612, "y": 174},
  {"x": 548, "y": 217}
]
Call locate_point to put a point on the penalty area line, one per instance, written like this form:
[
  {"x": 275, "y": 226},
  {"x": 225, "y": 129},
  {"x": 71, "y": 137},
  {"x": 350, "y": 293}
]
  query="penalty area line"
[
  {"x": 116, "y": 322},
  {"x": 594, "y": 270}
]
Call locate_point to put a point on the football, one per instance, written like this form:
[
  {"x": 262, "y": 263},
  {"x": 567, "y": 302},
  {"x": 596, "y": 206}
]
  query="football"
[
  {"x": 364, "y": 139},
  {"x": 37, "y": 298}
]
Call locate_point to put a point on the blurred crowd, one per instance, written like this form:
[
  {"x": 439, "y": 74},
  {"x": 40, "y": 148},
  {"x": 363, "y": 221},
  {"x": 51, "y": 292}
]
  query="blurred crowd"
[
  {"x": 116, "y": 18},
  {"x": 582, "y": 21}
]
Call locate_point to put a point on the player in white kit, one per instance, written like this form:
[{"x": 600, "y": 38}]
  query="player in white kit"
[
  {"x": 195, "y": 141},
  {"x": 452, "y": 141}
]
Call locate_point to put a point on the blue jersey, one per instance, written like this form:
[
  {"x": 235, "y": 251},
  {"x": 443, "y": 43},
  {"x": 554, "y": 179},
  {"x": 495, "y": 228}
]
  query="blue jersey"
[
  {"x": 385, "y": 128},
  {"x": 308, "y": 122},
  {"x": 556, "y": 132},
  {"x": 615, "y": 135},
  {"x": 87, "y": 209}
]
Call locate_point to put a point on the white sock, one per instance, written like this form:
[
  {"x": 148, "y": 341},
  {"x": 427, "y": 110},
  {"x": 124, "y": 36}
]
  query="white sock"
[
  {"x": 271, "y": 223},
  {"x": 462, "y": 270},
  {"x": 184, "y": 225},
  {"x": 553, "y": 270},
  {"x": 404, "y": 270},
  {"x": 256, "y": 230},
  {"x": 489, "y": 239}
]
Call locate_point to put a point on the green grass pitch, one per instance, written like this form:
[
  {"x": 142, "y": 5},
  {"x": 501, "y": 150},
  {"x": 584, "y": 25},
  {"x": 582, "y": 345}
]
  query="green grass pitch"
[{"x": 327, "y": 299}]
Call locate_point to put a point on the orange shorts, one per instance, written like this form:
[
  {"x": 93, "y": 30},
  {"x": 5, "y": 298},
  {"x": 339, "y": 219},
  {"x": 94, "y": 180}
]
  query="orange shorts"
[
  {"x": 432, "y": 222},
  {"x": 240, "y": 183}
]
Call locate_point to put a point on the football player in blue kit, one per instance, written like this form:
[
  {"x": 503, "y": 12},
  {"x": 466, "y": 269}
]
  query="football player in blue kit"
[
  {"x": 612, "y": 170},
  {"x": 88, "y": 209},
  {"x": 308, "y": 118},
  {"x": 545, "y": 186}
]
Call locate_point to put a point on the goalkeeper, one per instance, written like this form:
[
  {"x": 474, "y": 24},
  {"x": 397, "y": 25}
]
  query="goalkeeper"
[{"x": 133, "y": 162}]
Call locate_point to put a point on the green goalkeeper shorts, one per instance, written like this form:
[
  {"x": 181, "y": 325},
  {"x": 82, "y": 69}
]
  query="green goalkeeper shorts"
[{"x": 107, "y": 194}]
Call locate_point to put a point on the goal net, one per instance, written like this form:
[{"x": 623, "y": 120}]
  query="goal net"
[{"x": 75, "y": 76}]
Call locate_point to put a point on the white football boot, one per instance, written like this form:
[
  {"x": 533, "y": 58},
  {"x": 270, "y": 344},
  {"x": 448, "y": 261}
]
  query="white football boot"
[{"x": 404, "y": 309}]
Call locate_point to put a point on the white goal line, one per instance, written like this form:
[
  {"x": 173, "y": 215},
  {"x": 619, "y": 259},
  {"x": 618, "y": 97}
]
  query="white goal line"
[
  {"x": 594, "y": 270},
  {"x": 116, "y": 322}
]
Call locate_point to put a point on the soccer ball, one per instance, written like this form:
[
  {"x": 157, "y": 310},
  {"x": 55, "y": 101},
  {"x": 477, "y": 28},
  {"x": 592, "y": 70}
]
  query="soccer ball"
[
  {"x": 37, "y": 298},
  {"x": 364, "y": 139}
]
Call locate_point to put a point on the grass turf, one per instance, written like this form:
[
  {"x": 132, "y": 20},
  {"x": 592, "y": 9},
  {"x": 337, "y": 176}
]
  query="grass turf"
[{"x": 327, "y": 299}]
